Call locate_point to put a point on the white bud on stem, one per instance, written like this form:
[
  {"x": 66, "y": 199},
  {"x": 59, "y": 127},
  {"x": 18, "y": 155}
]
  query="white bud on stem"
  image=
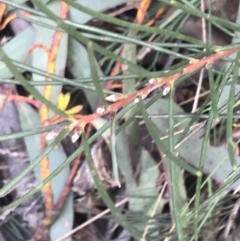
[{"x": 100, "y": 110}]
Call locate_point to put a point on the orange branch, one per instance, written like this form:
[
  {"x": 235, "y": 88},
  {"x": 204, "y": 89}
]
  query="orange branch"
[
  {"x": 195, "y": 64},
  {"x": 44, "y": 117},
  {"x": 167, "y": 81}
]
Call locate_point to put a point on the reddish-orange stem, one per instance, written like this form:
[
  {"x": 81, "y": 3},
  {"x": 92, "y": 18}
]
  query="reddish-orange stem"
[{"x": 194, "y": 64}]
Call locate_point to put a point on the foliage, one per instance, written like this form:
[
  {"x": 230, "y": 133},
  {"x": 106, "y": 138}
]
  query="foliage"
[{"x": 155, "y": 145}]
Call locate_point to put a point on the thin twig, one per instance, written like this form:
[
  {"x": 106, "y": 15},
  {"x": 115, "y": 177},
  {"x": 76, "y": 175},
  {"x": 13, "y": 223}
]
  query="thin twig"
[
  {"x": 204, "y": 37},
  {"x": 154, "y": 209}
]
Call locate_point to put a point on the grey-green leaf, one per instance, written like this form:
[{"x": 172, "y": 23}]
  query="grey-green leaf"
[{"x": 191, "y": 149}]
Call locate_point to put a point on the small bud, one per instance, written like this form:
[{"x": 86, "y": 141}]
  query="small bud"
[
  {"x": 100, "y": 110},
  {"x": 152, "y": 81},
  {"x": 51, "y": 135},
  {"x": 136, "y": 100},
  {"x": 54, "y": 133},
  {"x": 143, "y": 96},
  {"x": 166, "y": 90},
  {"x": 115, "y": 97},
  {"x": 193, "y": 61},
  {"x": 75, "y": 136}
]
